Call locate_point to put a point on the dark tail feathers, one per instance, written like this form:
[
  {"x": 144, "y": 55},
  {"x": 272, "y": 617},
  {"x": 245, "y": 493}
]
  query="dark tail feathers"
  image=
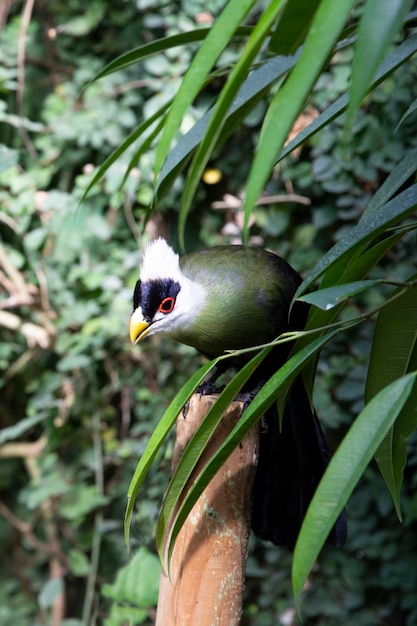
[{"x": 291, "y": 464}]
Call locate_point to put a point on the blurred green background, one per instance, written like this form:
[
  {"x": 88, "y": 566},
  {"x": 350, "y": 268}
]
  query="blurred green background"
[{"x": 77, "y": 401}]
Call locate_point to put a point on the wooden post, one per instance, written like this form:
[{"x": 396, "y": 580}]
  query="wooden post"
[{"x": 209, "y": 559}]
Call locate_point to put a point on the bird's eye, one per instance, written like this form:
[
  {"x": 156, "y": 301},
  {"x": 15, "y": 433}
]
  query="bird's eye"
[{"x": 167, "y": 305}]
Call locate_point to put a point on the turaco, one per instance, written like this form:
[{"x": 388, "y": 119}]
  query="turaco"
[{"x": 232, "y": 297}]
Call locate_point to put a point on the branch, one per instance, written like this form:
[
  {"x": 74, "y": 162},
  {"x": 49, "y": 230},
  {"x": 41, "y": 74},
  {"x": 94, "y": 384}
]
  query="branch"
[
  {"x": 21, "y": 49},
  {"x": 34, "y": 334}
]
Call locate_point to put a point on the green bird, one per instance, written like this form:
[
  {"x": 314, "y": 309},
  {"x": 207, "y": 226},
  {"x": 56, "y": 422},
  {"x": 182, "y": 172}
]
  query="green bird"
[{"x": 229, "y": 298}]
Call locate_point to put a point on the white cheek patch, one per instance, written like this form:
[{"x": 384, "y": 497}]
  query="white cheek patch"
[
  {"x": 190, "y": 301},
  {"x": 160, "y": 263}
]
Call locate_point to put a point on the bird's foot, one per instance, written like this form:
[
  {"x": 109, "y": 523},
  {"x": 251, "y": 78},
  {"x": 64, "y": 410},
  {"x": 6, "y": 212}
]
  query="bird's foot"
[
  {"x": 209, "y": 388},
  {"x": 249, "y": 394},
  {"x": 246, "y": 397}
]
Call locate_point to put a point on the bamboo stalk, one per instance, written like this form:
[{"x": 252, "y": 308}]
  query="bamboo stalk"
[{"x": 209, "y": 559}]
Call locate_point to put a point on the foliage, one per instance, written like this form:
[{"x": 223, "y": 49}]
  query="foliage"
[
  {"x": 135, "y": 589},
  {"x": 78, "y": 403},
  {"x": 69, "y": 380},
  {"x": 352, "y": 257}
]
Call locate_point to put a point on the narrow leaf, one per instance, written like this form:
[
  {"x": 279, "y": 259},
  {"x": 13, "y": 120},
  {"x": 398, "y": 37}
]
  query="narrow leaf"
[
  {"x": 328, "y": 298},
  {"x": 260, "y": 79},
  {"x": 223, "y": 104},
  {"x": 394, "y": 353},
  {"x": 212, "y": 46},
  {"x": 343, "y": 473},
  {"x": 399, "y": 175},
  {"x": 132, "y": 137},
  {"x": 395, "y": 339},
  {"x": 154, "y": 47},
  {"x": 17, "y": 430},
  {"x": 342, "y": 272},
  {"x": 394, "y": 60},
  {"x": 198, "y": 443},
  {"x": 368, "y": 228},
  {"x": 256, "y": 82},
  {"x": 381, "y": 20},
  {"x": 159, "y": 46},
  {"x": 144, "y": 146},
  {"x": 409, "y": 111},
  {"x": 286, "y": 105},
  {"x": 262, "y": 401},
  {"x": 158, "y": 437},
  {"x": 293, "y": 26}
]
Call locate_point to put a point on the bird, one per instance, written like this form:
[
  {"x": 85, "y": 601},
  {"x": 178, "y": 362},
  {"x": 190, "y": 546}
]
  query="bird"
[{"x": 227, "y": 298}]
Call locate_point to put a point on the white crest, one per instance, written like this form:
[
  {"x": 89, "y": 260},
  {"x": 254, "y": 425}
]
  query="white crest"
[{"x": 159, "y": 261}]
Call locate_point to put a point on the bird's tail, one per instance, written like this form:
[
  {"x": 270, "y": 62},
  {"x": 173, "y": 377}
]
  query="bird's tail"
[{"x": 291, "y": 464}]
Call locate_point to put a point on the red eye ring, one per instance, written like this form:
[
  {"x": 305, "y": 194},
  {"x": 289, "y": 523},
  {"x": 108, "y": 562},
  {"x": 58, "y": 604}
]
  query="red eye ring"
[{"x": 167, "y": 305}]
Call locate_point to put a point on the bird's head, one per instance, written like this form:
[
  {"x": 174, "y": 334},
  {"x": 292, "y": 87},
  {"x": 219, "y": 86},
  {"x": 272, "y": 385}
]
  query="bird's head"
[{"x": 164, "y": 301}]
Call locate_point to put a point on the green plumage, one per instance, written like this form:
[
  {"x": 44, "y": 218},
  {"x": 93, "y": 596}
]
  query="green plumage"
[
  {"x": 249, "y": 293},
  {"x": 238, "y": 297}
]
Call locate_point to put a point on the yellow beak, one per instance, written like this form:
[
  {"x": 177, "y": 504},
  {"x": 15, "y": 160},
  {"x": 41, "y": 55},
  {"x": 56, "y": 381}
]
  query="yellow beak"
[{"x": 139, "y": 328}]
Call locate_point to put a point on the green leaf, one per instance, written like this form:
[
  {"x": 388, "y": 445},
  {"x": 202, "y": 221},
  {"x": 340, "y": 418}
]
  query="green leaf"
[
  {"x": 395, "y": 340},
  {"x": 293, "y": 26},
  {"x": 144, "y": 146},
  {"x": 223, "y": 104},
  {"x": 361, "y": 265},
  {"x": 80, "y": 500},
  {"x": 286, "y": 105},
  {"x": 17, "y": 430},
  {"x": 369, "y": 227},
  {"x": 78, "y": 563},
  {"x": 380, "y": 22},
  {"x": 260, "y": 79},
  {"x": 137, "y": 582},
  {"x": 158, "y": 438},
  {"x": 123, "y": 614},
  {"x": 328, "y": 298},
  {"x": 133, "y": 136},
  {"x": 159, "y": 46},
  {"x": 409, "y": 111},
  {"x": 394, "y": 353},
  {"x": 73, "y": 361},
  {"x": 213, "y": 44},
  {"x": 46, "y": 488},
  {"x": 8, "y": 158},
  {"x": 197, "y": 445},
  {"x": 394, "y": 60},
  {"x": 343, "y": 473},
  {"x": 82, "y": 25},
  {"x": 341, "y": 272},
  {"x": 399, "y": 175},
  {"x": 262, "y": 401},
  {"x": 49, "y": 592}
]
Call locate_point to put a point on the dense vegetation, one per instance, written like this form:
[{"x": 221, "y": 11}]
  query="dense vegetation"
[{"x": 78, "y": 403}]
